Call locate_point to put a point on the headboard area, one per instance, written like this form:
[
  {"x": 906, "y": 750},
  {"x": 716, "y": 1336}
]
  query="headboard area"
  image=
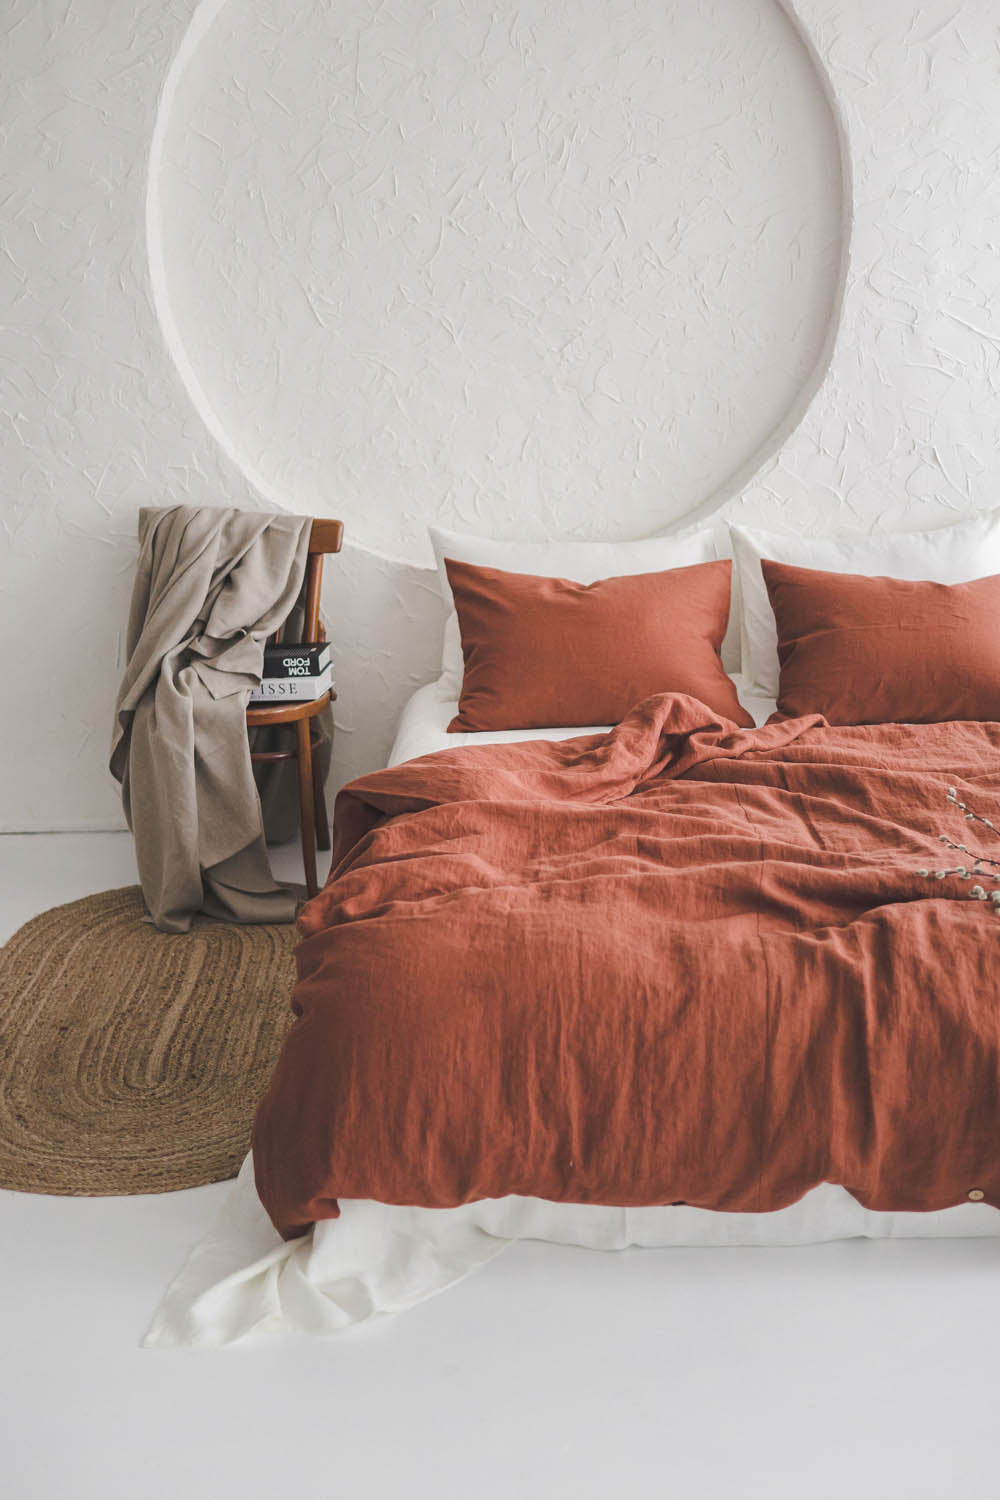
[{"x": 581, "y": 269}]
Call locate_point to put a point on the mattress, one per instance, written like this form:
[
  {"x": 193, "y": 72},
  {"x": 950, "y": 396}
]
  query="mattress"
[{"x": 375, "y": 1259}]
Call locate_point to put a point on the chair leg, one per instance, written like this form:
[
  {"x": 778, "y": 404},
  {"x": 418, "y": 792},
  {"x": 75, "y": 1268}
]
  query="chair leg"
[
  {"x": 306, "y": 806},
  {"x": 322, "y": 819}
]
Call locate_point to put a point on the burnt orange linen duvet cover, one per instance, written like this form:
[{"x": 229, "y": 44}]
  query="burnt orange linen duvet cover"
[{"x": 680, "y": 962}]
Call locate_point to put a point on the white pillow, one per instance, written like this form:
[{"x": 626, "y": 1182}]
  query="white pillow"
[
  {"x": 951, "y": 554},
  {"x": 583, "y": 562}
]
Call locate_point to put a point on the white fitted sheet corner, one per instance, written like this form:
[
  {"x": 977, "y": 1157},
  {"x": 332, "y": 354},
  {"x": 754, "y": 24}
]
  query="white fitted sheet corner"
[{"x": 242, "y": 1281}]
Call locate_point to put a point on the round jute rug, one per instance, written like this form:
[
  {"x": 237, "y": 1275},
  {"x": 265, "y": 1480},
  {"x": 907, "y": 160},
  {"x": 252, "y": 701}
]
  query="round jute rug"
[{"x": 131, "y": 1060}]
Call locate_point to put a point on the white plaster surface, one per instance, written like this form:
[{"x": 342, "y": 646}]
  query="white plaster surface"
[
  {"x": 902, "y": 433},
  {"x": 96, "y": 420},
  {"x": 555, "y": 268}
]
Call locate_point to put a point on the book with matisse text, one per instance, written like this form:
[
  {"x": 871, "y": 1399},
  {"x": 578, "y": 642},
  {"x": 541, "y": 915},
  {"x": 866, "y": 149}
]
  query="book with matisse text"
[{"x": 293, "y": 689}]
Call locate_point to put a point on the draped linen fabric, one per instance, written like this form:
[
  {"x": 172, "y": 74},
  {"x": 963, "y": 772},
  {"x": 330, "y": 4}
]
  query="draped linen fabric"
[
  {"x": 211, "y": 585},
  {"x": 681, "y": 962}
]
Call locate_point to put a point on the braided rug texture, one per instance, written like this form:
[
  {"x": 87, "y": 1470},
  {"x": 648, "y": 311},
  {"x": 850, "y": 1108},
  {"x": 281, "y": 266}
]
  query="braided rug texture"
[{"x": 132, "y": 1060}]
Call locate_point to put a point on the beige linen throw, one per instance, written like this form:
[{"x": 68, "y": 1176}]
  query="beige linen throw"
[{"x": 211, "y": 586}]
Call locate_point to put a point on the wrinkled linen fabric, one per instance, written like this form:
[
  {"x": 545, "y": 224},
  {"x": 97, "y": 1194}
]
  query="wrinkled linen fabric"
[
  {"x": 423, "y": 724},
  {"x": 679, "y": 962},
  {"x": 211, "y": 585},
  {"x": 244, "y": 1282}
]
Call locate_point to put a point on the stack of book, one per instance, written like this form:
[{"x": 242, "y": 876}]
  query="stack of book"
[{"x": 294, "y": 674}]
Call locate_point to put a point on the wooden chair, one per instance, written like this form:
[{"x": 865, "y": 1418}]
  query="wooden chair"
[{"x": 325, "y": 536}]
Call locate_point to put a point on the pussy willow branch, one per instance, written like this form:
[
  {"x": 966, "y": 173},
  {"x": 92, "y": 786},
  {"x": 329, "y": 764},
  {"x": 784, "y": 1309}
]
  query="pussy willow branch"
[{"x": 980, "y": 864}]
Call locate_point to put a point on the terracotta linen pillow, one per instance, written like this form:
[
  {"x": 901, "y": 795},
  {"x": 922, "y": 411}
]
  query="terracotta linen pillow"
[
  {"x": 885, "y": 650},
  {"x": 547, "y": 652}
]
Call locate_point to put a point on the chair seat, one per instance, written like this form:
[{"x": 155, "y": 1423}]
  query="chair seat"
[{"x": 263, "y": 715}]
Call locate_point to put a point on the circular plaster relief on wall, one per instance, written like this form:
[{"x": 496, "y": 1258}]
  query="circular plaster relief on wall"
[{"x": 557, "y": 268}]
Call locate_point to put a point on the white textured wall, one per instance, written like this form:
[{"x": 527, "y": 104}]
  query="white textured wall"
[
  {"x": 95, "y": 420},
  {"x": 539, "y": 268},
  {"x": 547, "y": 268}
]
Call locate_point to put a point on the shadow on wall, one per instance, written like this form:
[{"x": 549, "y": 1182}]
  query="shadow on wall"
[{"x": 385, "y": 622}]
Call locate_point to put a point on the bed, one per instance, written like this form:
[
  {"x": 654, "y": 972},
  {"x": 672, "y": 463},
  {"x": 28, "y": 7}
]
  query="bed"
[
  {"x": 377, "y": 1257},
  {"x": 765, "y": 1020}
]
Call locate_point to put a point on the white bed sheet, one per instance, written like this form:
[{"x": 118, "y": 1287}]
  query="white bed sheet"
[
  {"x": 243, "y": 1281},
  {"x": 423, "y": 726}
]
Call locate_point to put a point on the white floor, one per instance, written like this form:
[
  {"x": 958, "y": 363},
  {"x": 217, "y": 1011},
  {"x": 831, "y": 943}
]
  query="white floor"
[{"x": 858, "y": 1370}]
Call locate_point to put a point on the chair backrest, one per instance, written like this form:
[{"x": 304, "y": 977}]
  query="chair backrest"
[{"x": 325, "y": 536}]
